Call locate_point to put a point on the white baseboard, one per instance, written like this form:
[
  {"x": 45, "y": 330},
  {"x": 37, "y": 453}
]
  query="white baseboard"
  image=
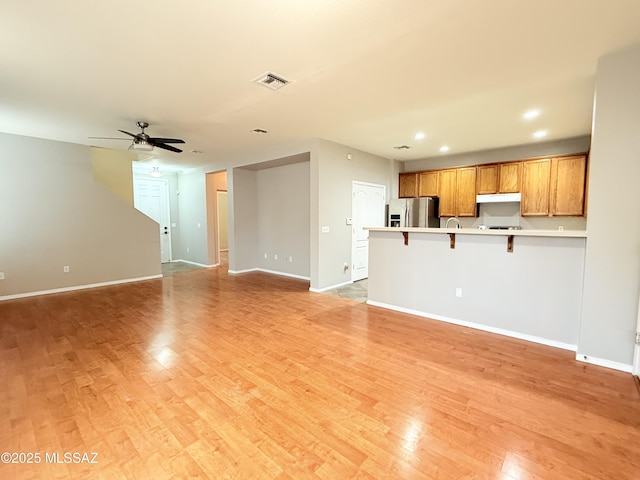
[
  {"x": 479, "y": 326},
  {"x": 602, "y": 362},
  {"x": 272, "y": 272},
  {"x": 238, "y": 272},
  {"x": 283, "y": 274},
  {"x": 77, "y": 287},
  {"x": 332, "y": 287},
  {"x": 195, "y": 263}
]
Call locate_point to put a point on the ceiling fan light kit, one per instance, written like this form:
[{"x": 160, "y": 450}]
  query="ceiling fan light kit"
[{"x": 141, "y": 146}]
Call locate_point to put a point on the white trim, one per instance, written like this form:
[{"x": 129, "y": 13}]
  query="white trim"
[
  {"x": 78, "y": 287},
  {"x": 272, "y": 272},
  {"x": 478, "y": 326},
  {"x": 195, "y": 263},
  {"x": 283, "y": 274},
  {"x": 324, "y": 289},
  {"x": 238, "y": 272},
  {"x": 603, "y": 362}
]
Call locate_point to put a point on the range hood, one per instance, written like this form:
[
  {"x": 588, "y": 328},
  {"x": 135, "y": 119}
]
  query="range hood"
[{"x": 498, "y": 198}]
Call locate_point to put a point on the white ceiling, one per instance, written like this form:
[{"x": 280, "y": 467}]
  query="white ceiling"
[{"x": 365, "y": 73}]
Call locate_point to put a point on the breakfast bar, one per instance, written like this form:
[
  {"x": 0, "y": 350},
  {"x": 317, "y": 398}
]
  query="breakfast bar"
[{"x": 522, "y": 283}]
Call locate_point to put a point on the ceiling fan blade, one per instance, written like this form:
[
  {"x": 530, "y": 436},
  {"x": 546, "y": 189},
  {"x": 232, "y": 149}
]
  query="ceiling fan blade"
[
  {"x": 165, "y": 140},
  {"x": 127, "y": 133},
  {"x": 166, "y": 147}
]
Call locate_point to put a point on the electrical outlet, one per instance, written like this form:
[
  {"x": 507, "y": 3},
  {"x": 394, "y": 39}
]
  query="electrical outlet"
[
  {"x": 290, "y": 259},
  {"x": 459, "y": 292},
  {"x": 266, "y": 256},
  {"x": 65, "y": 269},
  {"x": 275, "y": 256},
  {"x": 1, "y": 275}
]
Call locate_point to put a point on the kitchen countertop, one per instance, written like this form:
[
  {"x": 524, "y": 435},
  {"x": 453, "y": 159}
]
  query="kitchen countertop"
[{"x": 477, "y": 231}]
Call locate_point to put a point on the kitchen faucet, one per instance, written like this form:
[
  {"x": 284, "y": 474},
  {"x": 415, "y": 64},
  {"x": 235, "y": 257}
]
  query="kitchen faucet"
[{"x": 446, "y": 225}]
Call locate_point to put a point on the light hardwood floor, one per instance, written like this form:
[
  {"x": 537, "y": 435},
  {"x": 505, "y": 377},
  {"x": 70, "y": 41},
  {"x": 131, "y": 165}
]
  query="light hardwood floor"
[{"x": 205, "y": 375}]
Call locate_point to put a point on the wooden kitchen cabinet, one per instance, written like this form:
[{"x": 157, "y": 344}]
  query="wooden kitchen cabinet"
[
  {"x": 498, "y": 178},
  {"x": 509, "y": 177},
  {"x": 567, "y": 189},
  {"x": 428, "y": 184},
  {"x": 487, "y": 176},
  {"x": 457, "y": 192},
  {"x": 447, "y": 192},
  {"x": 536, "y": 181},
  {"x": 466, "y": 192},
  {"x": 408, "y": 185}
]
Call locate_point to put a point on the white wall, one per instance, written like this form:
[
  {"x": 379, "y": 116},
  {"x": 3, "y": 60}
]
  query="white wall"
[
  {"x": 53, "y": 214},
  {"x": 283, "y": 219},
  {"x": 612, "y": 268}
]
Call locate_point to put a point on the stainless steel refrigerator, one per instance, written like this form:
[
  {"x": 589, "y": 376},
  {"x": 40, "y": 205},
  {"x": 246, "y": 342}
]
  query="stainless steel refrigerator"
[{"x": 414, "y": 212}]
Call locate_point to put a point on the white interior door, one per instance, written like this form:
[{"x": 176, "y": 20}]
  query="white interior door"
[
  {"x": 151, "y": 197},
  {"x": 367, "y": 210}
]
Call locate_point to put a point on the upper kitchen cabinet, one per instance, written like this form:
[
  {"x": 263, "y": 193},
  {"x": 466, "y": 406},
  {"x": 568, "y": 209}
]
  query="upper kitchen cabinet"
[
  {"x": 466, "y": 192},
  {"x": 509, "y": 177},
  {"x": 408, "y": 185},
  {"x": 568, "y": 175},
  {"x": 428, "y": 184},
  {"x": 487, "y": 179},
  {"x": 447, "y": 192},
  {"x": 554, "y": 186},
  {"x": 457, "y": 192},
  {"x": 498, "y": 178},
  {"x": 536, "y": 178}
]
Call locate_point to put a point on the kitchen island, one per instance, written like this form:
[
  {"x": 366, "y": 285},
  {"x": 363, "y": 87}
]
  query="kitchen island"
[{"x": 522, "y": 283}]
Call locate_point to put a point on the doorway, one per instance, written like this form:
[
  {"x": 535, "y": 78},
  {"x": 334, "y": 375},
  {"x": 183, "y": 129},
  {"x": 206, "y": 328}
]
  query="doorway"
[
  {"x": 151, "y": 197},
  {"x": 367, "y": 210}
]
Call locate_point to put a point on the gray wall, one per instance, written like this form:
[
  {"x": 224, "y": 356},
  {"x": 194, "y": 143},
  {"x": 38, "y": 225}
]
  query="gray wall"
[
  {"x": 192, "y": 207},
  {"x": 53, "y": 214},
  {"x": 283, "y": 219},
  {"x": 534, "y": 291},
  {"x": 612, "y": 268},
  {"x": 506, "y": 154},
  {"x": 243, "y": 219},
  {"x": 335, "y": 174}
]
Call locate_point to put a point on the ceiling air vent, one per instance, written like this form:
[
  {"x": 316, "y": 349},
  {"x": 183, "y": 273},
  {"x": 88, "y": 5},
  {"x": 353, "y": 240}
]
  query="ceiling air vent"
[{"x": 271, "y": 80}]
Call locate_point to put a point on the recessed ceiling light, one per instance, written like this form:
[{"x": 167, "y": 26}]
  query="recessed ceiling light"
[
  {"x": 419, "y": 136},
  {"x": 444, "y": 149},
  {"x": 402, "y": 147},
  {"x": 540, "y": 134},
  {"x": 531, "y": 114},
  {"x": 259, "y": 131}
]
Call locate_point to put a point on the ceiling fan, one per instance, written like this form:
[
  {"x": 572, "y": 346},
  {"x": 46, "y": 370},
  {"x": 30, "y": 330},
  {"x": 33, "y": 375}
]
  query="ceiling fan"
[{"x": 142, "y": 141}]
